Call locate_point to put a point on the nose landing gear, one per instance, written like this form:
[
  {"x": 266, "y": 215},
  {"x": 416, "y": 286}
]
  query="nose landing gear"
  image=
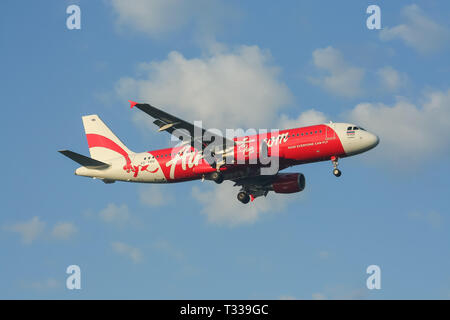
[
  {"x": 335, "y": 162},
  {"x": 337, "y": 172}
]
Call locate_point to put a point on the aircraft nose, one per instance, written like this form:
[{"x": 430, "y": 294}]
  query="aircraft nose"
[{"x": 374, "y": 140}]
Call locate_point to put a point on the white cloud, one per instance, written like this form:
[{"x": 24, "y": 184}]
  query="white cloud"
[
  {"x": 318, "y": 296},
  {"x": 115, "y": 214},
  {"x": 324, "y": 255},
  {"x": 29, "y": 230},
  {"x": 130, "y": 252},
  {"x": 160, "y": 17},
  {"x": 418, "y": 31},
  {"x": 341, "y": 78},
  {"x": 221, "y": 206},
  {"x": 44, "y": 285},
  {"x": 391, "y": 79},
  {"x": 408, "y": 132},
  {"x": 167, "y": 248},
  {"x": 286, "y": 297},
  {"x": 64, "y": 230},
  {"x": 307, "y": 118},
  {"x": 35, "y": 228},
  {"x": 225, "y": 89},
  {"x": 154, "y": 195},
  {"x": 341, "y": 292}
]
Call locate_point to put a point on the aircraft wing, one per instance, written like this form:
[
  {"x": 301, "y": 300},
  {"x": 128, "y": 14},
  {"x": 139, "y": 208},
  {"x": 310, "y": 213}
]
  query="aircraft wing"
[{"x": 176, "y": 126}]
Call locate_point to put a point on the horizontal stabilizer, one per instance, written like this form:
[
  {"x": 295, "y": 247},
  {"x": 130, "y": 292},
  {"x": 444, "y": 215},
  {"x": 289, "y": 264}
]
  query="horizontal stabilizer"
[{"x": 83, "y": 160}]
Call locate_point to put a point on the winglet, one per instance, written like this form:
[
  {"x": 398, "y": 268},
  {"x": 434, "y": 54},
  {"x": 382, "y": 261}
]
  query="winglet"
[{"x": 132, "y": 103}]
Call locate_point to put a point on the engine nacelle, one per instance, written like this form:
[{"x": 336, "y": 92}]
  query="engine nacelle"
[{"x": 288, "y": 183}]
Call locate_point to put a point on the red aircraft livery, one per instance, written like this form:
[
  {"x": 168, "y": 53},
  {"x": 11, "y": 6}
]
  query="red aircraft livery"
[{"x": 253, "y": 162}]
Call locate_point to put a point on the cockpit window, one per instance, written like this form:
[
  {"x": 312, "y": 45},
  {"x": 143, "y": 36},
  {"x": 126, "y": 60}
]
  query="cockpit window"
[
  {"x": 349, "y": 128},
  {"x": 355, "y": 128}
]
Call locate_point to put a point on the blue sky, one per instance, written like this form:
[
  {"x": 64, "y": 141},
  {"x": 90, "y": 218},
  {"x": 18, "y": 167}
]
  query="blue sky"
[{"x": 229, "y": 64}]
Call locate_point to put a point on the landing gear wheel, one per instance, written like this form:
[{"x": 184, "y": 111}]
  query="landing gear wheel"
[
  {"x": 335, "y": 162},
  {"x": 337, "y": 172},
  {"x": 243, "y": 197},
  {"x": 217, "y": 177}
]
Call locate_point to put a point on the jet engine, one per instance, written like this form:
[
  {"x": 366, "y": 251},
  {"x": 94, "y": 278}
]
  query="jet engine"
[{"x": 288, "y": 183}]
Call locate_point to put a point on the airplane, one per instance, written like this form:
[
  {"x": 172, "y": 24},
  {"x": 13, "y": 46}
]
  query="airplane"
[{"x": 238, "y": 159}]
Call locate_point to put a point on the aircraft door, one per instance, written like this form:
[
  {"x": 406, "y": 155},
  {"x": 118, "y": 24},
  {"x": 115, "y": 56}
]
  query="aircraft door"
[{"x": 330, "y": 132}]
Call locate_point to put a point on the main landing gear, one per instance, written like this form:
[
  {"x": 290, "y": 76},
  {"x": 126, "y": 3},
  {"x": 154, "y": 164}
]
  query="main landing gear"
[
  {"x": 243, "y": 197},
  {"x": 217, "y": 177},
  {"x": 335, "y": 162}
]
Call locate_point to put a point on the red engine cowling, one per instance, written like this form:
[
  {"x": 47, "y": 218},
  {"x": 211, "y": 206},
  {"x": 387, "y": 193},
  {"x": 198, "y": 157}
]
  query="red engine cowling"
[{"x": 288, "y": 183}]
